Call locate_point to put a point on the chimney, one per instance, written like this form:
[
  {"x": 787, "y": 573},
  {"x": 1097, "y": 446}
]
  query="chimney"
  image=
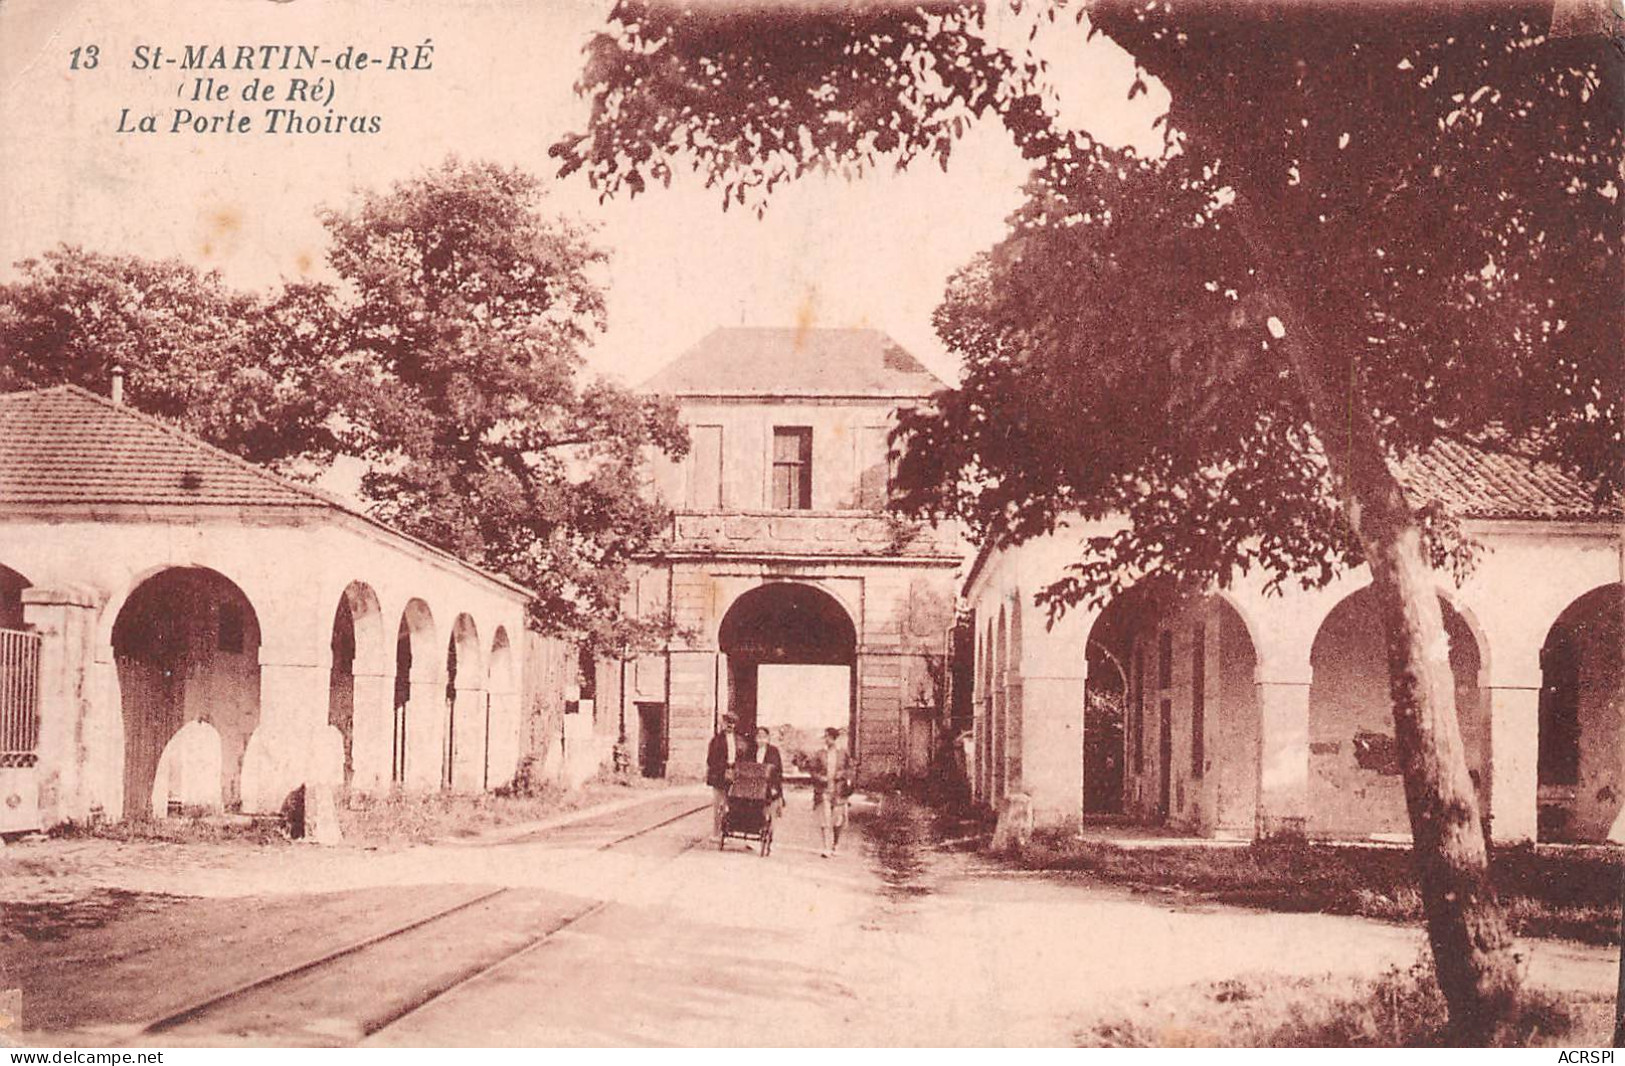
[{"x": 118, "y": 384}]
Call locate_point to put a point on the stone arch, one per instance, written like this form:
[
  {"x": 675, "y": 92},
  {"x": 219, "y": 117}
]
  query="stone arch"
[
  {"x": 1241, "y": 615},
  {"x": 829, "y": 589},
  {"x": 1580, "y": 762},
  {"x": 253, "y": 587},
  {"x": 1355, "y": 785},
  {"x": 787, "y": 623},
  {"x": 186, "y": 646}
]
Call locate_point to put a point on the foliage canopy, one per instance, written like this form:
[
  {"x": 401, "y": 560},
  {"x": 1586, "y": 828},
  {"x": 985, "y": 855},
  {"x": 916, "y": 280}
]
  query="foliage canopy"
[{"x": 445, "y": 355}]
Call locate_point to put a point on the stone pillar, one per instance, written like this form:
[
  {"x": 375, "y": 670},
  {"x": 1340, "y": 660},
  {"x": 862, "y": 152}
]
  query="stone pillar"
[
  {"x": 693, "y": 705},
  {"x": 425, "y": 734},
  {"x": 293, "y": 714},
  {"x": 1051, "y": 713},
  {"x": 878, "y": 745},
  {"x": 1015, "y": 770},
  {"x": 1514, "y": 746},
  {"x": 66, "y": 769},
  {"x": 1283, "y": 785},
  {"x": 468, "y": 748},
  {"x": 372, "y": 733},
  {"x": 504, "y": 741}
]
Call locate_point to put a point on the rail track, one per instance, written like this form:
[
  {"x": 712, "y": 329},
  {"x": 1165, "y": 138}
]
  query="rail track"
[{"x": 288, "y": 1004}]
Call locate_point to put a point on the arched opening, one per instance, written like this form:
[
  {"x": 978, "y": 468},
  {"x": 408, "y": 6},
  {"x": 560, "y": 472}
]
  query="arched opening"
[
  {"x": 186, "y": 644},
  {"x": 1121, "y": 763},
  {"x": 11, "y": 598},
  {"x": 1581, "y": 763},
  {"x": 791, "y": 653},
  {"x": 357, "y": 646},
  {"x": 461, "y": 761},
  {"x": 1106, "y": 694},
  {"x": 415, "y": 672},
  {"x": 1355, "y": 783},
  {"x": 1171, "y": 717}
]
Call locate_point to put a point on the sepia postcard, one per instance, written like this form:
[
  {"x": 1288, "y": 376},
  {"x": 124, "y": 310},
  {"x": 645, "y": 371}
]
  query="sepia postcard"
[{"x": 811, "y": 523}]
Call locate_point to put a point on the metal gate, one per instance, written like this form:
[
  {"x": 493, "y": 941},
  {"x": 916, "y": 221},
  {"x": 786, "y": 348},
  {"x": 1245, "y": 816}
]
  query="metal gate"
[
  {"x": 19, "y": 698},
  {"x": 19, "y": 731}
]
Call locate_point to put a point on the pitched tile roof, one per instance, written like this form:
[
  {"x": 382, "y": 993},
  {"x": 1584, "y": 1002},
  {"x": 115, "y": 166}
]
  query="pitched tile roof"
[
  {"x": 67, "y": 445},
  {"x": 795, "y": 362},
  {"x": 1476, "y": 482}
]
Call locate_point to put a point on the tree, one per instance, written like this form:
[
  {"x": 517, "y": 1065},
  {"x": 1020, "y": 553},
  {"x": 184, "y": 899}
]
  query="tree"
[
  {"x": 446, "y": 355},
  {"x": 463, "y": 314},
  {"x": 1372, "y": 228},
  {"x": 192, "y": 348}
]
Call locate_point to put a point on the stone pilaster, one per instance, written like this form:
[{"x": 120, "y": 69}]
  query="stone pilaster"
[
  {"x": 66, "y": 766},
  {"x": 1283, "y": 787},
  {"x": 1514, "y": 745}
]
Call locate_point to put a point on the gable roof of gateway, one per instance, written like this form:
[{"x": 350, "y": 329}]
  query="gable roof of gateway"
[
  {"x": 67, "y": 445},
  {"x": 795, "y": 362}
]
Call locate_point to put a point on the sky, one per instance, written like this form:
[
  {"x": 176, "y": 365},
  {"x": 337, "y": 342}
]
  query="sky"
[
  {"x": 802, "y": 696},
  {"x": 875, "y": 252}
]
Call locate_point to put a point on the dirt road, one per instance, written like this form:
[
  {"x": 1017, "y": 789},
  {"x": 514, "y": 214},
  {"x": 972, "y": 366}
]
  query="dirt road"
[{"x": 662, "y": 940}]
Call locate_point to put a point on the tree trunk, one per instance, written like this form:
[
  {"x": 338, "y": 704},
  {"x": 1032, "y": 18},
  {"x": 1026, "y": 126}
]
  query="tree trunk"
[{"x": 1472, "y": 950}]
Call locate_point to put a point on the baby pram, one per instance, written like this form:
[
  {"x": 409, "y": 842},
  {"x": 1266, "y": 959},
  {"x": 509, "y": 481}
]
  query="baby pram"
[{"x": 747, "y": 816}]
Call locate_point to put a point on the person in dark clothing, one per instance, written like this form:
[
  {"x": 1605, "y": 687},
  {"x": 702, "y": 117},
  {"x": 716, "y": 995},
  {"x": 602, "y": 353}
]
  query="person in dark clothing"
[
  {"x": 768, "y": 754},
  {"x": 720, "y": 757}
]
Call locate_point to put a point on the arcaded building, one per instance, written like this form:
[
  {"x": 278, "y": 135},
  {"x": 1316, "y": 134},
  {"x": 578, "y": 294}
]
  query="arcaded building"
[
  {"x": 180, "y": 629},
  {"x": 1246, "y": 713},
  {"x": 781, "y": 552}
]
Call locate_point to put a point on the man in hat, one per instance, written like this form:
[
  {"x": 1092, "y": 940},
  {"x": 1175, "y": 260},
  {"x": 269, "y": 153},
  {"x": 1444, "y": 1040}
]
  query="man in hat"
[{"x": 719, "y": 770}]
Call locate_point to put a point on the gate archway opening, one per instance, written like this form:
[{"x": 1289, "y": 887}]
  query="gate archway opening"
[
  {"x": 792, "y": 653},
  {"x": 186, "y": 645}
]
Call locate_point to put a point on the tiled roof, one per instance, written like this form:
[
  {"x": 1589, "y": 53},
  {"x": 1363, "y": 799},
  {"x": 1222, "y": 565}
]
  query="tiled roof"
[
  {"x": 1484, "y": 483},
  {"x": 67, "y": 445},
  {"x": 795, "y": 362}
]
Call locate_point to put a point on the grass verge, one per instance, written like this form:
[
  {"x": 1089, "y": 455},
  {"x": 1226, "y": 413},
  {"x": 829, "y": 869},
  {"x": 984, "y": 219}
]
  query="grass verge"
[
  {"x": 421, "y": 819},
  {"x": 374, "y": 821},
  {"x": 1401, "y": 1008},
  {"x": 1546, "y": 892}
]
